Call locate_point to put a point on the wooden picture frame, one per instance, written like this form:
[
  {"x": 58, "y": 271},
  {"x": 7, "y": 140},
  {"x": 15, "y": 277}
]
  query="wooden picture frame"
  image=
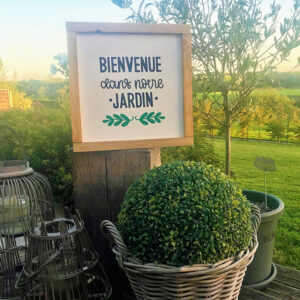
[{"x": 73, "y": 28}]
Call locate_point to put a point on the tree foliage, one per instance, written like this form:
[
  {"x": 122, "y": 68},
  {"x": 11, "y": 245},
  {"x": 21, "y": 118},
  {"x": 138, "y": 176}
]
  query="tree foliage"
[
  {"x": 46, "y": 134},
  {"x": 3, "y": 71},
  {"x": 60, "y": 65},
  {"x": 202, "y": 150},
  {"x": 235, "y": 45},
  {"x": 276, "y": 129},
  {"x": 43, "y": 90},
  {"x": 19, "y": 99}
]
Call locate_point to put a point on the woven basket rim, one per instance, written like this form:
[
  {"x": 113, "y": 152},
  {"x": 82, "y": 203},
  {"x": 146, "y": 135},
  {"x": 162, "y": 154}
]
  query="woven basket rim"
[
  {"x": 226, "y": 264},
  {"x": 133, "y": 264}
]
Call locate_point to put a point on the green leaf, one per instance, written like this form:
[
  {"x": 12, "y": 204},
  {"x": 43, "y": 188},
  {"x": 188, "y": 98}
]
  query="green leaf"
[
  {"x": 150, "y": 115},
  {"x": 143, "y": 122},
  {"x": 125, "y": 123},
  {"x": 117, "y": 117},
  {"x": 143, "y": 116},
  {"x": 124, "y": 117},
  {"x": 117, "y": 123}
]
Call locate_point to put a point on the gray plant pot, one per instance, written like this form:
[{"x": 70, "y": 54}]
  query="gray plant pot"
[{"x": 261, "y": 271}]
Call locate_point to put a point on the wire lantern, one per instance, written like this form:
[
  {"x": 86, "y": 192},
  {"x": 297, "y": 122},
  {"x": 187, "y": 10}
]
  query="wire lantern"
[
  {"x": 86, "y": 286},
  {"x": 11, "y": 263},
  {"x": 62, "y": 259},
  {"x": 25, "y": 198}
]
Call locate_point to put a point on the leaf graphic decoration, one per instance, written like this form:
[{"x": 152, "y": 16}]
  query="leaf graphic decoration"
[
  {"x": 143, "y": 122},
  {"x": 144, "y": 115},
  {"x": 151, "y": 117},
  {"x": 124, "y": 117},
  {"x": 117, "y": 117},
  {"x": 156, "y": 117},
  {"x": 117, "y": 120},
  {"x": 145, "y": 119}
]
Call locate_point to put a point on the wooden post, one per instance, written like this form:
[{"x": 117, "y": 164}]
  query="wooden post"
[{"x": 100, "y": 182}]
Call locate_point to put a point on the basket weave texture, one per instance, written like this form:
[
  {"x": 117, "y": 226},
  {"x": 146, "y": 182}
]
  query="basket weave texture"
[{"x": 221, "y": 280}]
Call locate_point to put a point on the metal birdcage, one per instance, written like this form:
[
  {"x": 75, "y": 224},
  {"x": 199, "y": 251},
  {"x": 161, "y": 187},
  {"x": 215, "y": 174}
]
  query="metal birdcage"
[{"x": 64, "y": 263}]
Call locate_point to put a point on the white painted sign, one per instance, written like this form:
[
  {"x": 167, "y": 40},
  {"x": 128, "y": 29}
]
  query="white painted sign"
[{"x": 130, "y": 86}]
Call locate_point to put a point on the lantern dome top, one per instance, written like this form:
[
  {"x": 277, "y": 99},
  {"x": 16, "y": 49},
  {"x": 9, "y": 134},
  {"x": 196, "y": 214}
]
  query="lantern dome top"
[{"x": 14, "y": 168}]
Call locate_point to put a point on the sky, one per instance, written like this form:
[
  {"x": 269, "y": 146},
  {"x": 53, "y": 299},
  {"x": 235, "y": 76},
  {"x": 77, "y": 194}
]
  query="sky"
[{"x": 33, "y": 31}]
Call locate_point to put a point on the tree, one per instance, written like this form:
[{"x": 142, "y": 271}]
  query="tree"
[
  {"x": 19, "y": 99},
  {"x": 276, "y": 129},
  {"x": 260, "y": 115},
  {"x": 60, "y": 65},
  {"x": 277, "y": 112},
  {"x": 245, "y": 119},
  {"x": 3, "y": 71},
  {"x": 234, "y": 46}
]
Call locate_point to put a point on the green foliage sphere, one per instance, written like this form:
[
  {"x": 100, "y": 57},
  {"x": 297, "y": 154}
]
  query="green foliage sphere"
[{"x": 185, "y": 213}]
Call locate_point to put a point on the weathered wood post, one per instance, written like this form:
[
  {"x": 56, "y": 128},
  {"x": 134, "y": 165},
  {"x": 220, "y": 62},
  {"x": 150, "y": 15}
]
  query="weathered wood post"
[
  {"x": 131, "y": 93},
  {"x": 100, "y": 182}
]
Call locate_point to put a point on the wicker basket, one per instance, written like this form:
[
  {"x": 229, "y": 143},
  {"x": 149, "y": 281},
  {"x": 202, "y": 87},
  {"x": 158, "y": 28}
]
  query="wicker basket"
[{"x": 221, "y": 280}]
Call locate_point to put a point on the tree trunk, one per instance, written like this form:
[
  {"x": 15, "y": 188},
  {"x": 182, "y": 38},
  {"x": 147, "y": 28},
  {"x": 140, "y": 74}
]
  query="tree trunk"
[
  {"x": 228, "y": 144},
  {"x": 287, "y": 129},
  {"x": 226, "y": 108},
  {"x": 247, "y": 133}
]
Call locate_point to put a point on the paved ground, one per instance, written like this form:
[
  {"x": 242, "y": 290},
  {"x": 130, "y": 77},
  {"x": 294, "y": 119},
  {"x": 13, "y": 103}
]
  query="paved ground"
[{"x": 286, "y": 286}]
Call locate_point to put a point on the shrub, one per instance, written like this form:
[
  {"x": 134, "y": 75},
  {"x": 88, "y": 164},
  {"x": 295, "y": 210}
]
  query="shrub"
[
  {"x": 202, "y": 150},
  {"x": 46, "y": 134},
  {"x": 185, "y": 213}
]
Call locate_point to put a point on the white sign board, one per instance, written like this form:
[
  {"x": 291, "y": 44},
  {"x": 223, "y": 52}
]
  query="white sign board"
[{"x": 129, "y": 88}]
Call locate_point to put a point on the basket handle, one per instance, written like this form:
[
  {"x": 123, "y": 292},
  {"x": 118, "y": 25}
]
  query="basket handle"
[
  {"x": 18, "y": 138},
  {"x": 112, "y": 234},
  {"x": 256, "y": 218}
]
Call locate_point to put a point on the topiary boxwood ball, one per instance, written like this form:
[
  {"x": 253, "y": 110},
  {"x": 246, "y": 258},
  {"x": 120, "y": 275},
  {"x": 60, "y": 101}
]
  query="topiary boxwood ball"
[{"x": 185, "y": 213}]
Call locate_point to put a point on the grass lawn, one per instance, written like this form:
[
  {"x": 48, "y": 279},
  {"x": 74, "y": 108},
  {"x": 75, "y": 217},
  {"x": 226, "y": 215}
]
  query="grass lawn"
[
  {"x": 283, "y": 183},
  {"x": 286, "y": 92},
  {"x": 290, "y": 92}
]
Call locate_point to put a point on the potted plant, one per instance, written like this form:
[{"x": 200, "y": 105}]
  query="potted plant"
[
  {"x": 184, "y": 232},
  {"x": 262, "y": 271}
]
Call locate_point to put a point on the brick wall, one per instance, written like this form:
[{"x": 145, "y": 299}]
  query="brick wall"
[{"x": 4, "y": 100}]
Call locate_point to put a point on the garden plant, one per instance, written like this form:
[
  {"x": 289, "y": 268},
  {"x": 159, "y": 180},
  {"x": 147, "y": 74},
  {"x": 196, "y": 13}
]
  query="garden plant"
[
  {"x": 185, "y": 213},
  {"x": 185, "y": 221}
]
